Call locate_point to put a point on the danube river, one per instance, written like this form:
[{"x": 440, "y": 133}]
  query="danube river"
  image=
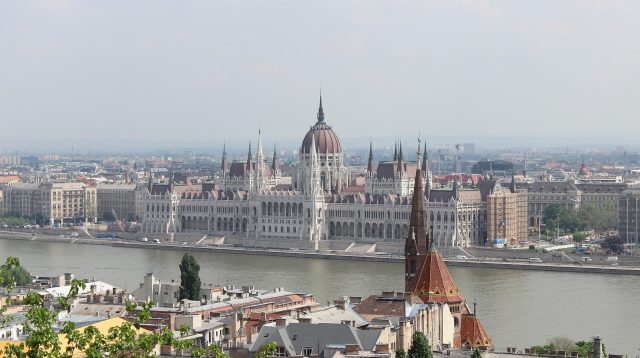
[{"x": 519, "y": 308}]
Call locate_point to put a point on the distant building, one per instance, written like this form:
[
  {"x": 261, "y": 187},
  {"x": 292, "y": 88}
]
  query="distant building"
[
  {"x": 117, "y": 201},
  {"x": 629, "y": 216},
  {"x": 55, "y": 202},
  {"x": 507, "y": 215},
  {"x": 568, "y": 195},
  {"x": 250, "y": 199}
]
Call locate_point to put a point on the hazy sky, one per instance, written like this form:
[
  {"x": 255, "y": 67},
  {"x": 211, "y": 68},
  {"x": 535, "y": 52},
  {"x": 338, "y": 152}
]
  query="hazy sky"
[{"x": 197, "y": 72}]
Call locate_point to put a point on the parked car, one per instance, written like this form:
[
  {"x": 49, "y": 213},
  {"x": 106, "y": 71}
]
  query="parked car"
[{"x": 535, "y": 260}]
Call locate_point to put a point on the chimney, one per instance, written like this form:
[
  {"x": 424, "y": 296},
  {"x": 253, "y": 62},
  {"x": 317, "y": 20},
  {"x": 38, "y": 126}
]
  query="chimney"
[{"x": 281, "y": 322}]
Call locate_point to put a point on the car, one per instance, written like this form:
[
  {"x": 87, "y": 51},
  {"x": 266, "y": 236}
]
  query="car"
[
  {"x": 156, "y": 241},
  {"x": 535, "y": 260},
  {"x": 461, "y": 257},
  {"x": 294, "y": 249},
  {"x": 144, "y": 239}
]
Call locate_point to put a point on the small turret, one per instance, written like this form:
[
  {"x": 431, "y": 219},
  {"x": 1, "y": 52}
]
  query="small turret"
[
  {"x": 248, "y": 164},
  {"x": 370, "y": 162},
  {"x": 275, "y": 164},
  {"x": 400, "y": 161},
  {"x": 224, "y": 165}
]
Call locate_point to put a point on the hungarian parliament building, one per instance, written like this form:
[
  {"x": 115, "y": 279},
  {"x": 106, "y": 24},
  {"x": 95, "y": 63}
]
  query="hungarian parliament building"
[{"x": 321, "y": 200}]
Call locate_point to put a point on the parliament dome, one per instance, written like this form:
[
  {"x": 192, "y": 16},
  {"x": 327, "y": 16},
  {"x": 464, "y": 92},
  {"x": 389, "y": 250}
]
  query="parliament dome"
[{"x": 325, "y": 138}]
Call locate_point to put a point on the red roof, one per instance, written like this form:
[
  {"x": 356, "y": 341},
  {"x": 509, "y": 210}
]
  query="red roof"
[
  {"x": 325, "y": 138},
  {"x": 434, "y": 283},
  {"x": 473, "y": 333}
]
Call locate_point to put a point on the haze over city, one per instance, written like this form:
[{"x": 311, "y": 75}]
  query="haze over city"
[{"x": 113, "y": 75}]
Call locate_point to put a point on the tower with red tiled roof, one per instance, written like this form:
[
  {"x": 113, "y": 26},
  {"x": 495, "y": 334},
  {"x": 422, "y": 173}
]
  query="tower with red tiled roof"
[{"x": 427, "y": 276}]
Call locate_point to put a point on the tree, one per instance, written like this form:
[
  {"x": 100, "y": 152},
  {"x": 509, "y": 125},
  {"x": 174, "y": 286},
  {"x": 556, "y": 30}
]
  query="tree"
[
  {"x": 598, "y": 218},
  {"x": 18, "y": 275},
  {"x": 550, "y": 217},
  {"x": 562, "y": 343},
  {"x": 126, "y": 340},
  {"x": 476, "y": 353},
  {"x": 613, "y": 244},
  {"x": 400, "y": 353},
  {"x": 419, "y": 346},
  {"x": 189, "y": 278},
  {"x": 579, "y": 236}
]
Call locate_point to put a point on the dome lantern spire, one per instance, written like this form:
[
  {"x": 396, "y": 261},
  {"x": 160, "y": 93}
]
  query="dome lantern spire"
[{"x": 320, "y": 110}]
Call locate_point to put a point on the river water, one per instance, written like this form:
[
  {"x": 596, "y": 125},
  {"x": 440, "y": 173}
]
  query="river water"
[{"x": 518, "y": 308}]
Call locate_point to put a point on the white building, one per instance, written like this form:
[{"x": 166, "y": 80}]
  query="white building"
[{"x": 250, "y": 199}]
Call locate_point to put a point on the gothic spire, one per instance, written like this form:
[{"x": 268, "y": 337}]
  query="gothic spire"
[
  {"x": 395, "y": 151},
  {"x": 275, "y": 165},
  {"x": 425, "y": 162},
  {"x": 400, "y": 162},
  {"x": 248, "y": 165},
  {"x": 370, "y": 163},
  {"x": 223, "y": 165},
  {"x": 320, "y": 110}
]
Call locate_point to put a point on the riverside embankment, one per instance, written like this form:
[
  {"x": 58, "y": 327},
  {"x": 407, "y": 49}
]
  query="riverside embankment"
[{"x": 513, "y": 264}]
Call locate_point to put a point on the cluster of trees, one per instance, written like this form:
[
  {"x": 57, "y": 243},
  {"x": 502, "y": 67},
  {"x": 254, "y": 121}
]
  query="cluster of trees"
[
  {"x": 126, "y": 340},
  {"x": 15, "y": 219},
  {"x": 565, "y": 344},
  {"x": 589, "y": 217},
  {"x": 16, "y": 274}
]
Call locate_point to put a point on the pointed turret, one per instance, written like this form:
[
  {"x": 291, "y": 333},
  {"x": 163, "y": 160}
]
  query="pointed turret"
[
  {"x": 400, "y": 160},
  {"x": 370, "y": 162},
  {"x": 260, "y": 179},
  {"x": 426, "y": 274},
  {"x": 417, "y": 242},
  {"x": 248, "y": 164},
  {"x": 395, "y": 151},
  {"x": 425, "y": 160},
  {"x": 320, "y": 110},
  {"x": 275, "y": 164},
  {"x": 315, "y": 168},
  {"x": 224, "y": 165}
]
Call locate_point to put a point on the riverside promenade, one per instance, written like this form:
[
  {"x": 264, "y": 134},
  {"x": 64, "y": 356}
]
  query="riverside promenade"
[{"x": 330, "y": 254}]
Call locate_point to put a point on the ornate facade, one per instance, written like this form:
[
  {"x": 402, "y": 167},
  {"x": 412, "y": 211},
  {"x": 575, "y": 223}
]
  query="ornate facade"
[{"x": 251, "y": 200}]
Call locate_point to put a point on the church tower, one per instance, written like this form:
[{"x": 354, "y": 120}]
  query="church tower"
[{"x": 417, "y": 243}]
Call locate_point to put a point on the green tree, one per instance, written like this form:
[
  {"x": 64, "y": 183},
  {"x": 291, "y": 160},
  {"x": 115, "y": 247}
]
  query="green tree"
[
  {"x": 18, "y": 275},
  {"x": 598, "y": 218},
  {"x": 420, "y": 347},
  {"x": 550, "y": 217},
  {"x": 267, "y": 350},
  {"x": 122, "y": 341},
  {"x": 189, "y": 278},
  {"x": 579, "y": 236},
  {"x": 583, "y": 348},
  {"x": 476, "y": 353},
  {"x": 400, "y": 353}
]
